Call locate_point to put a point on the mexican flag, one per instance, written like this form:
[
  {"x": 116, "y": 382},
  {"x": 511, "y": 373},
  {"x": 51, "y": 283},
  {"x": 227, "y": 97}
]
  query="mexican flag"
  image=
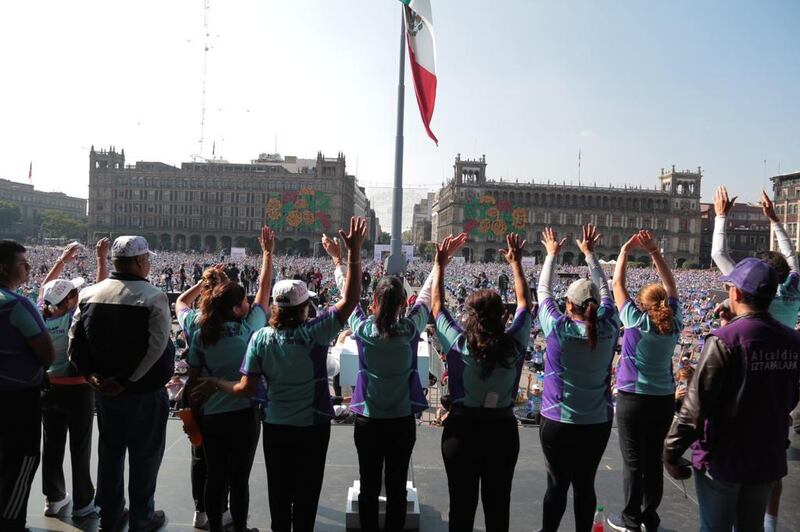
[{"x": 422, "y": 55}]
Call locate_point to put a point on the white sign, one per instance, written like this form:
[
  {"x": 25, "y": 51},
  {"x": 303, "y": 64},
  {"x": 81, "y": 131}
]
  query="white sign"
[
  {"x": 382, "y": 250},
  {"x": 459, "y": 260},
  {"x": 238, "y": 253},
  {"x": 528, "y": 262}
]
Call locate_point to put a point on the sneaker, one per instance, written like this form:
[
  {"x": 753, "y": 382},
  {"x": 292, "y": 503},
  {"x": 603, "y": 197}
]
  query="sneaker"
[
  {"x": 90, "y": 510},
  {"x": 617, "y": 523},
  {"x": 200, "y": 520},
  {"x": 157, "y": 522},
  {"x": 227, "y": 518},
  {"x": 52, "y": 508}
]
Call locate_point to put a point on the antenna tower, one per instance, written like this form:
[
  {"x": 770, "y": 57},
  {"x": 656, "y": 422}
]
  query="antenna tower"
[{"x": 206, "y": 8}]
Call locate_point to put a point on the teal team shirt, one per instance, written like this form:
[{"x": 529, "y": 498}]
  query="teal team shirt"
[
  {"x": 58, "y": 329},
  {"x": 294, "y": 364},
  {"x": 19, "y": 323},
  {"x": 465, "y": 374},
  {"x": 645, "y": 366},
  {"x": 388, "y": 384},
  {"x": 786, "y": 304},
  {"x": 224, "y": 358},
  {"x": 577, "y": 379}
]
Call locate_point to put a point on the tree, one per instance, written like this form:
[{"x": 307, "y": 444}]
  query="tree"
[
  {"x": 384, "y": 238},
  {"x": 407, "y": 236},
  {"x": 427, "y": 249},
  {"x": 10, "y": 214},
  {"x": 57, "y": 224}
]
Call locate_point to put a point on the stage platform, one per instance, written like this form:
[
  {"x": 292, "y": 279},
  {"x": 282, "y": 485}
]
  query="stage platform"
[{"x": 678, "y": 511}]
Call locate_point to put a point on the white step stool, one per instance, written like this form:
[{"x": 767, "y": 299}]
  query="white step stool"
[{"x": 412, "y": 510}]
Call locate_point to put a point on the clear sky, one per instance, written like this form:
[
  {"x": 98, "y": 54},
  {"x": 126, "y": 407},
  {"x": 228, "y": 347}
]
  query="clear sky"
[{"x": 634, "y": 85}]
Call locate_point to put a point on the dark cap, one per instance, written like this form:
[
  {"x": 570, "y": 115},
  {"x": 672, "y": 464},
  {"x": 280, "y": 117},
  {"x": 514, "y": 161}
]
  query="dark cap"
[{"x": 753, "y": 276}]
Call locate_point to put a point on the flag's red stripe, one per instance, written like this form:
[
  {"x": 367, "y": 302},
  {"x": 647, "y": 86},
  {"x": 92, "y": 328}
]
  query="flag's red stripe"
[{"x": 425, "y": 89}]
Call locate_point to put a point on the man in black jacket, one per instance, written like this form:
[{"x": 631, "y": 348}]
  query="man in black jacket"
[{"x": 120, "y": 340}]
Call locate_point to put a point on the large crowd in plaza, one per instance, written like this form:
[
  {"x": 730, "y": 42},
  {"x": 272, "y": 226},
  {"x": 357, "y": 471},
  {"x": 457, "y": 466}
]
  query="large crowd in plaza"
[{"x": 658, "y": 350}]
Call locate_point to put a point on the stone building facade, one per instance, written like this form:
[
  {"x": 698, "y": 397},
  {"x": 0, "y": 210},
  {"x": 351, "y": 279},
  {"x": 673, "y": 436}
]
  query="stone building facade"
[
  {"x": 487, "y": 209},
  {"x": 747, "y": 231},
  {"x": 216, "y": 204},
  {"x": 421, "y": 219},
  {"x": 786, "y": 190},
  {"x": 32, "y": 203}
]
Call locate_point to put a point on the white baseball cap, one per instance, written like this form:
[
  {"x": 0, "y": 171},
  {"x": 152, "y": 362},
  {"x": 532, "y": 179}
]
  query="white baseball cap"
[
  {"x": 130, "y": 246},
  {"x": 582, "y": 290},
  {"x": 290, "y": 293},
  {"x": 56, "y": 290}
]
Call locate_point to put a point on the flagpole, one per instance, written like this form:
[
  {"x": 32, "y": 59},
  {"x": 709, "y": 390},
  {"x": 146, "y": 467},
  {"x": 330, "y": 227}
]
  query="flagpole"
[{"x": 395, "y": 263}]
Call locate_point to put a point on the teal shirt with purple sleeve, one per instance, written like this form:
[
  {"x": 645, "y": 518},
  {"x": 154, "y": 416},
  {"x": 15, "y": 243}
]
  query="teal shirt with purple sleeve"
[
  {"x": 577, "y": 379},
  {"x": 294, "y": 363},
  {"x": 223, "y": 359},
  {"x": 19, "y": 323},
  {"x": 645, "y": 366},
  {"x": 786, "y": 304},
  {"x": 388, "y": 384},
  {"x": 466, "y": 381}
]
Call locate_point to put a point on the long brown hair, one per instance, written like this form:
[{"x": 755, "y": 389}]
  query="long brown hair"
[
  {"x": 589, "y": 313},
  {"x": 288, "y": 317},
  {"x": 655, "y": 302},
  {"x": 484, "y": 329},
  {"x": 218, "y": 297},
  {"x": 390, "y": 296}
]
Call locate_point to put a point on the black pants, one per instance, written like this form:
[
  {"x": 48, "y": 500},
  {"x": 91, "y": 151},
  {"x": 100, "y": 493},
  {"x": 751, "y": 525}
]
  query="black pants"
[
  {"x": 572, "y": 454},
  {"x": 295, "y": 460},
  {"x": 642, "y": 422},
  {"x": 21, "y": 422},
  {"x": 68, "y": 408},
  {"x": 480, "y": 453},
  {"x": 136, "y": 425},
  {"x": 197, "y": 473},
  {"x": 382, "y": 442},
  {"x": 229, "y": 441}
]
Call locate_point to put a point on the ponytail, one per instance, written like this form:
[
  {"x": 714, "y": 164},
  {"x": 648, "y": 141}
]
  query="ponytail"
[
  {"x": 389, "y": 296},
  {"x": 590, "y": 317},
  {"x": 654, "y": 300},
  {"x": 216, "y": 307}
]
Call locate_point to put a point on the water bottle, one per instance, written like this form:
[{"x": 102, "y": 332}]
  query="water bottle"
[{"x": 598, "y": 525}]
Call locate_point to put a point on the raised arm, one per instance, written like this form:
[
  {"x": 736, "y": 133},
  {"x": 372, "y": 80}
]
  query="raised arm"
[
  {"x": 619, "y": 284},
  {"x": 101, "y": 252},
  {"x": 553, "y": 246},
  {"x": 67, "y": 256},
  {"x": 453, "y": 245},
  {"x": 649, "y": 243},
  {"x": 586, "y": 244},
  {"x": 719, "y": 242},
  {"x": 513, "y": 256},
  {"x": 334, "y": 251},
  {"x": 187, "y": 298},
  {"x": 267, "y": 241},
  {"x": 444, "y": 252},
  {"x": 352, "y": 289},
  {"x": 784, "y": 243}
]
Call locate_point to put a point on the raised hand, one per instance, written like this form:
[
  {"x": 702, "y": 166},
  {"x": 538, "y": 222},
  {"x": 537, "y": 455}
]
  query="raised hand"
[
  {"x": 550, "y": 241},
  {"x": 589, "y": 239},
  {"x": 267, "y": 239},
  {"x": 768, "y": 207},
  {"x": 648, "y": 241},
  {"x": 449, "y": 246},
  {"x": 723, "y": 204},
  {"x": 332, "y": 247},
  {"x": 515, "y": 247},
  {"x": 358, "y": 233},
  {"x": 70, "y": 252},
  {"x": 102, "y": 247},
  {"x": 632, "y": 243}
]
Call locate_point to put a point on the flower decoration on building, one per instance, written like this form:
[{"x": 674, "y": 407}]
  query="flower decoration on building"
[
  {"x": 485, "y": 216},
  {"x": 303, "y": 210}
]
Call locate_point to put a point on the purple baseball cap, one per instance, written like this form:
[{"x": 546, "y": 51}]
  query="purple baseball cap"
[{"x": 753, "y": 276}]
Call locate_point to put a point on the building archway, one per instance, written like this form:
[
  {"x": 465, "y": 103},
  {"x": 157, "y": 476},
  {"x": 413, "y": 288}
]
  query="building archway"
[
  {"x": 489, "y": 254},
  {"x": 211, "y": 243},
  {"x": 180, "y": 242},
  {"x": 165, "y": 241},
  {"x": 466, "y": 252},
  {"x": 225, "y": 243},
  {"x": 680, "y": 262},
  {"x": 303, "y": 247},
  {"x": 567, "y": 258},
  {"x": 195, "y": 243}
]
